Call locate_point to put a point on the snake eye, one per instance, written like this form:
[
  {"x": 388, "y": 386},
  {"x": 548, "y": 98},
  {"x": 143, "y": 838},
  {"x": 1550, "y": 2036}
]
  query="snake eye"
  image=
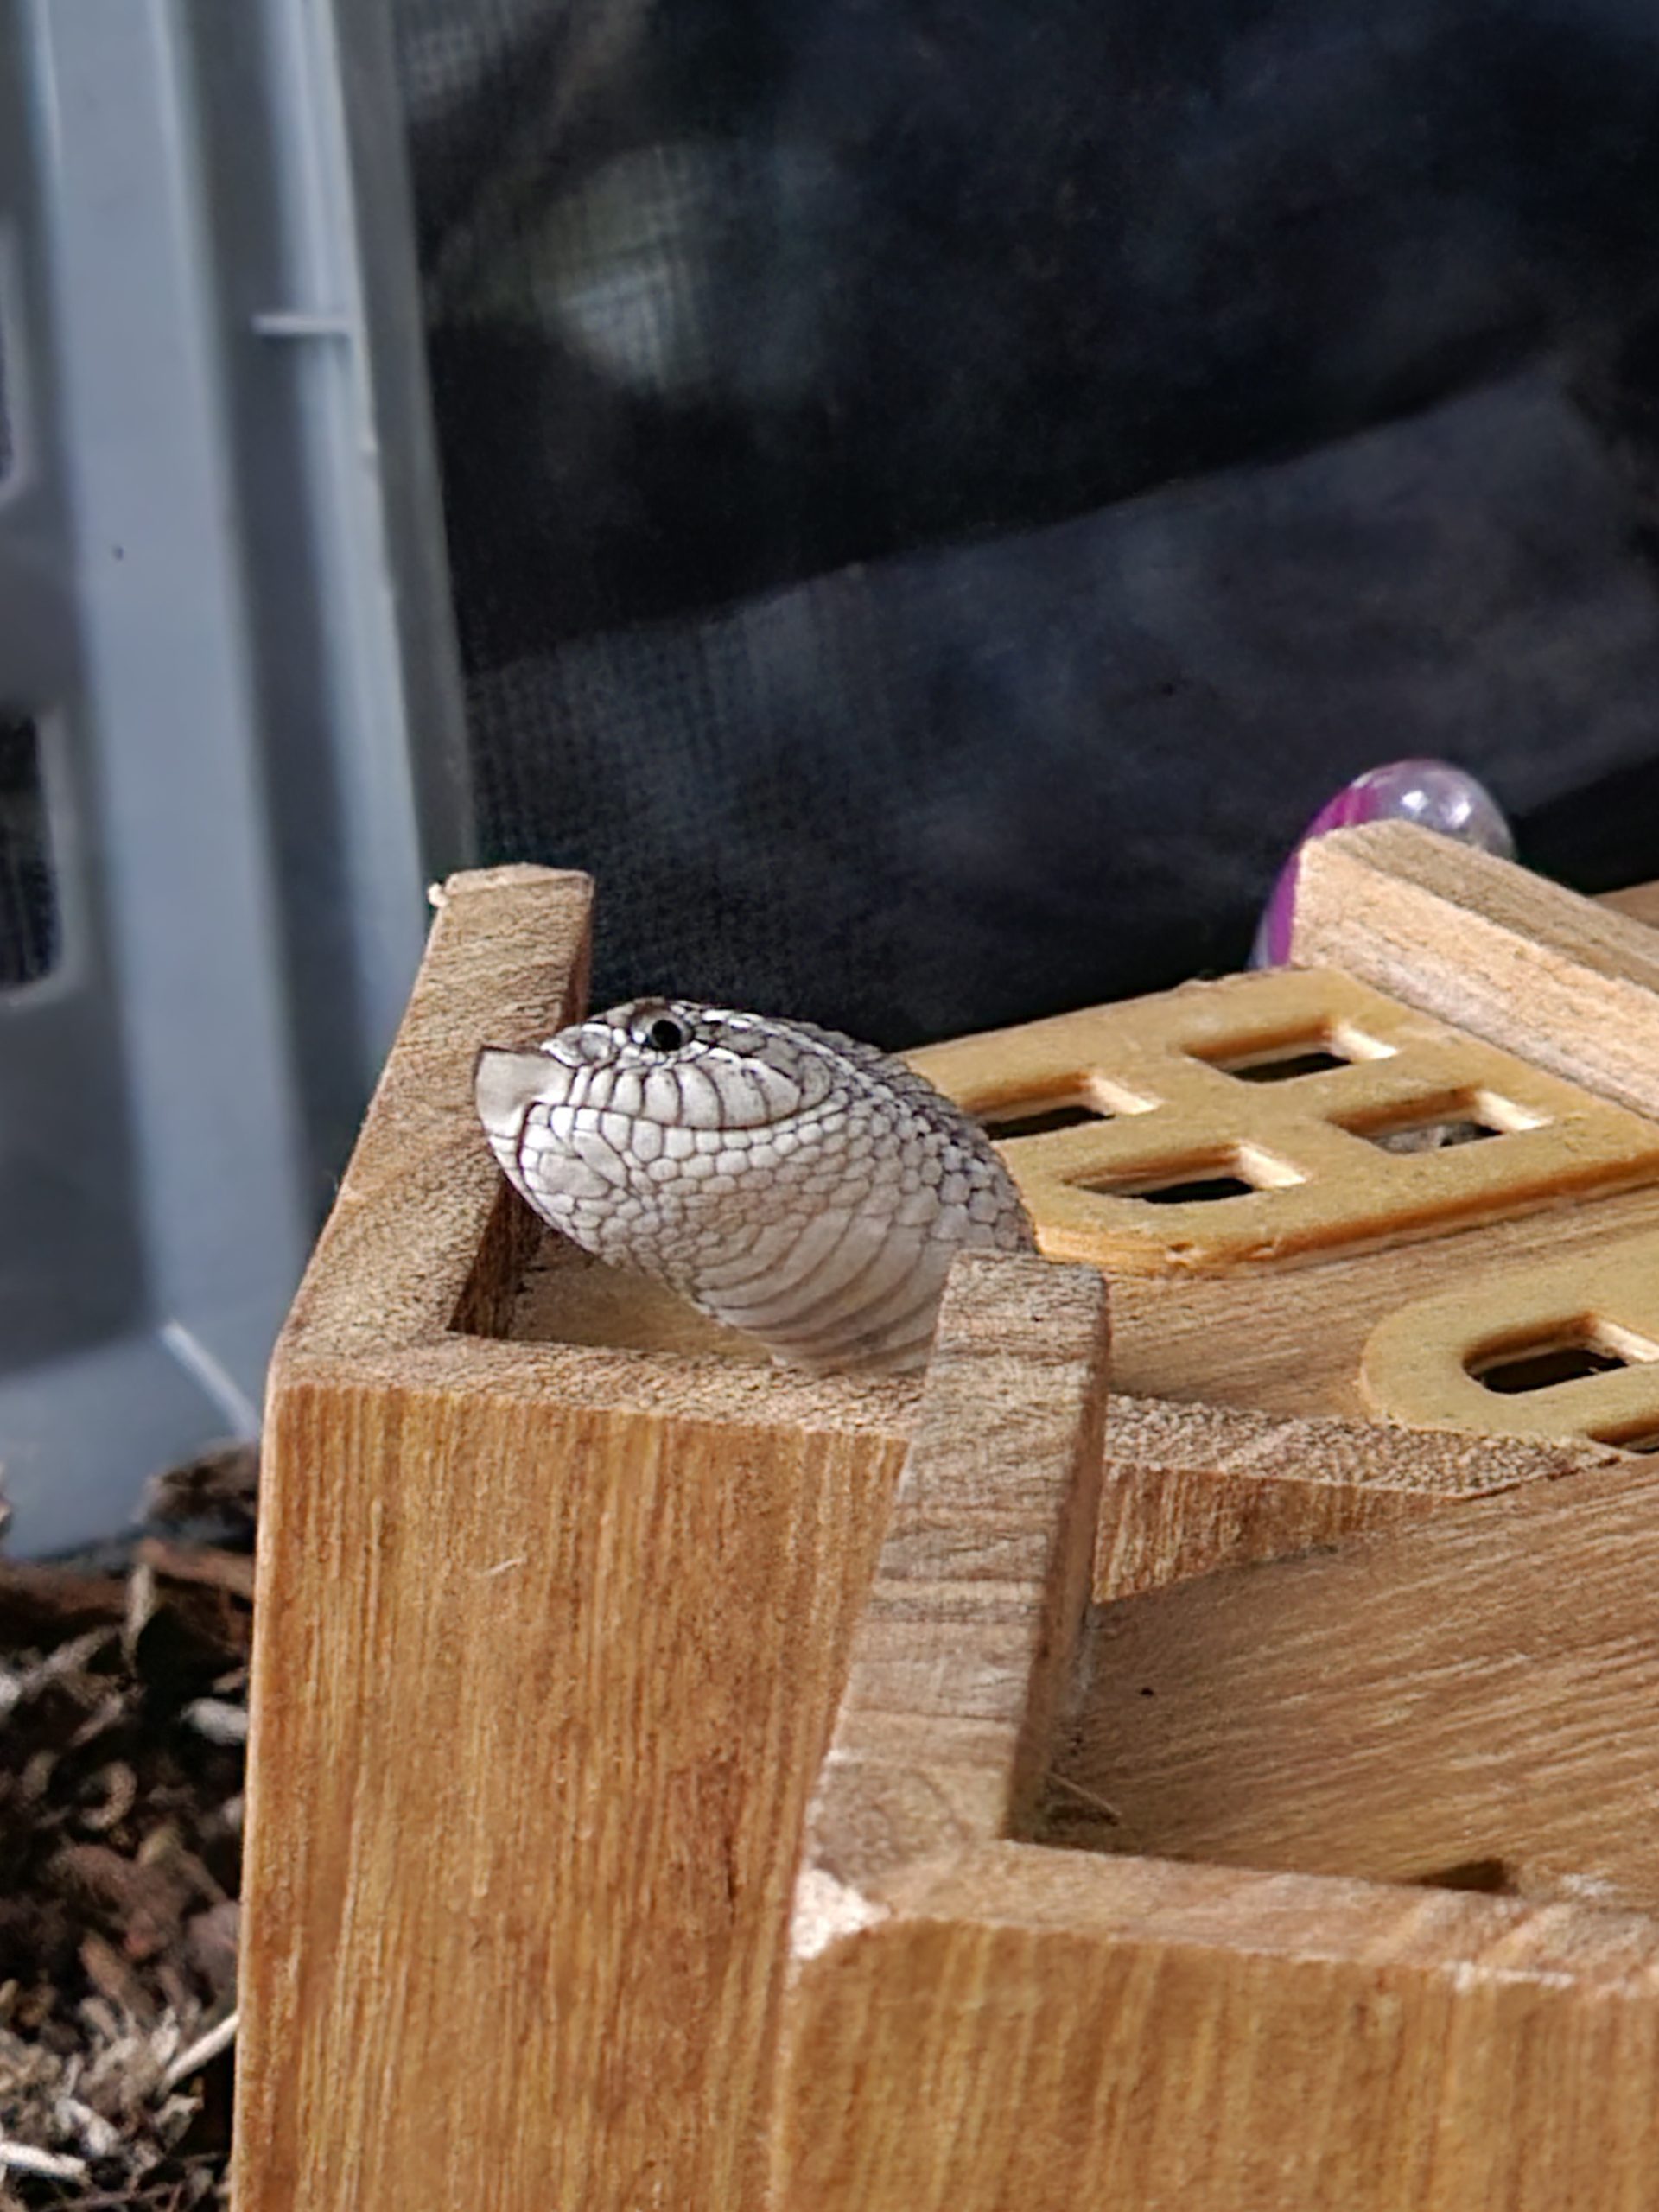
[{"x": 665, "y": 1035}]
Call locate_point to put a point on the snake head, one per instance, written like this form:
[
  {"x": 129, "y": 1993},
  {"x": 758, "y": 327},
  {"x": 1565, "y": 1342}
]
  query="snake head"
[
  {"x": 587, "y": 1111},
  {"x": 788, "y": 1180}
]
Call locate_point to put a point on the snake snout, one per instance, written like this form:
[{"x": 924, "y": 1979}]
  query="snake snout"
[{"x": 505, "y": 1083}]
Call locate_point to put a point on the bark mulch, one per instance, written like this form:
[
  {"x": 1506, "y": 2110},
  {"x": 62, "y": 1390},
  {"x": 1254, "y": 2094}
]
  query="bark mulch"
[{"x": 122, "y": 1719}]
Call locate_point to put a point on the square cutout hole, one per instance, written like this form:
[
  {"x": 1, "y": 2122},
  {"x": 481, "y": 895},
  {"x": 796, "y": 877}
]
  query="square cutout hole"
[
  {"x": 1080, "y": 1099},
  {"x": 1198, "y": 1190},
  {"x": 1288, "y": 1060},
  {"x": 1438, "y": 1123},
  {"x": 1201, "y": 1179},
  {"x": 1037, "y": 1117},
  {"x": 1572, "y": 1352}
]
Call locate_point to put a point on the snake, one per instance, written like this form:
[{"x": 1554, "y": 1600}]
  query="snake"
[{"x": 789, "y": 1181}]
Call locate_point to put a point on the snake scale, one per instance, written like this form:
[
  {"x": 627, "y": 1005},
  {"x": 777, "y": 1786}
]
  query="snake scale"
[{"x": 791, "y": 1182}]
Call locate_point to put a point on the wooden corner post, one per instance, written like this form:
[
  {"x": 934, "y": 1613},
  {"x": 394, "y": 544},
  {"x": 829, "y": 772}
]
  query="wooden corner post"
[{"x": 549, "y": 1640}]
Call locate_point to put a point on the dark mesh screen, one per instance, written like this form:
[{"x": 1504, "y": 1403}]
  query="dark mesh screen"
[
  {"x": 28, "y": 911},
  {"x": 938, "y": 497}
]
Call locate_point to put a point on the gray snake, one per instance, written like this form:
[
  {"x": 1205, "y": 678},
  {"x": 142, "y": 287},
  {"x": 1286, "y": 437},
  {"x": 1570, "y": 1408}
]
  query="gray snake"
[{"x": 787, "y": 1181}]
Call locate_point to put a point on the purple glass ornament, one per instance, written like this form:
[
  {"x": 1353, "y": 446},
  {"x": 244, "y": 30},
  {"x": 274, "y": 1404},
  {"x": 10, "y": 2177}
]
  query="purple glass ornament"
[{"x": 1432, "y": 793}]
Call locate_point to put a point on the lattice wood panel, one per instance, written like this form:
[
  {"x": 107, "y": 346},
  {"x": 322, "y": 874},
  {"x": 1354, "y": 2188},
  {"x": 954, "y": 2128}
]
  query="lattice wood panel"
[
  {"x": 1569, "y": 1349},
  {"x": 1279, "y": 1116}
]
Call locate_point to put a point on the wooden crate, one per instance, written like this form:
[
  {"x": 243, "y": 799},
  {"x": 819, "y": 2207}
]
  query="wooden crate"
[
  {"x": 1390, "y": 1805},
  {"x": 656, "y": 1802}
]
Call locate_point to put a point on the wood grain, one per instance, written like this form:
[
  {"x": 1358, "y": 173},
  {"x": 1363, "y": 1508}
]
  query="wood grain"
[
  {"x": 538, "y": 1723},
  {"x": 1291, "y": 1340},
  {"x": 1568, "y": 983},
  {"x": 1281, "y": 1340},
  {"x": 1480, "y": 1691},
  {"x": 508, "y": 956},
  {"x": 1193, "y": 1488},
  {"x": 548, "y": 1645},
  {"x": 975, "y": 2024},
  {"x": 1265, "y": 1301},
  {"x": 558, "y": 1594},
  {"x": 1051, "y": 2029},
  {"x": 965, "y": 1642}
]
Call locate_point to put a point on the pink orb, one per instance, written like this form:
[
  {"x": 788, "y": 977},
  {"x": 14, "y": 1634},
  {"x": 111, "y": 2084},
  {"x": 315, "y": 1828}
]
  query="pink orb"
[{"x": 1432, "y": 793}]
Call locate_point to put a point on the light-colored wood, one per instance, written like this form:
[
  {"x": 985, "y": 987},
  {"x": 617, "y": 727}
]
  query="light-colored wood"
[
  {"x": 1207, "y": 1485},
  {"x": 510, "y": 949},
  {"x": 548, "y": 1646},
  {"x": 965, "y": 1643},
  {"x": 1169, "y": 1081},
  {"x": 1267, "y": 1300},
  {"x": 1482, "y": 1690},
  {"x": 1424, "y": 1364},
  {"x": 1193, "y": 1488},
  {"x": 567, "y": 1297},
  {"x": 545, "y": 1710},
  {"x": 973, "y": 2022},
  {"x": 1291, "y": 1340},
  {"x": 1567, "y": 984},
  {"x": 1283, "y": 1341},
  {"x": 1287, "y": 1341},
  {"x": 1052, "y": 2030}
]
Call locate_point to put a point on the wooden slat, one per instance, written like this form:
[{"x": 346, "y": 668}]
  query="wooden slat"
[
  {"x": 1265, "y": 1301},
  {"x": 1567, "y": 982},
  {"x": 966, "y": 1641},
  {"x": 1193, "y": 1488},
  {"x": 1480, "y": 1692},
  {"x": 542, "y": 1692},
  {"x": 1165, "y": 1096}
]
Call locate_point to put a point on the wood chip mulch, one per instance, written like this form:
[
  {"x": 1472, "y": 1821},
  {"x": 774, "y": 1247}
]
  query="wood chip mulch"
[{"x": 123, "y": 1719}]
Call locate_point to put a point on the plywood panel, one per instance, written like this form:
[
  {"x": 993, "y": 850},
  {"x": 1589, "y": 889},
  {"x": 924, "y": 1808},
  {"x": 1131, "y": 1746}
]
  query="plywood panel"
[{"x": 1479, "y": 1691}]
